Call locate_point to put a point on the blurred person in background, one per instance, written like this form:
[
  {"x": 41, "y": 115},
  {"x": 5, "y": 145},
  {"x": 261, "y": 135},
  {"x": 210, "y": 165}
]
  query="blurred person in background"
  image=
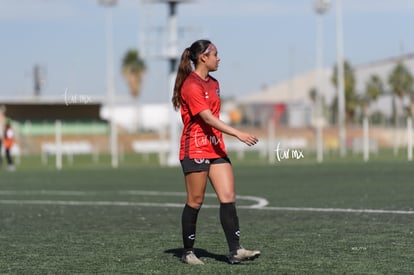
[
  {"x": 1, "y": 145},
  {"x": 2, "y": 120},
  {"x": 8, "y": 141}
]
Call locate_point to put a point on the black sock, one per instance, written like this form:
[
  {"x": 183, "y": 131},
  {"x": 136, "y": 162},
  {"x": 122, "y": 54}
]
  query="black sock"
[
  {"x": 188, "y": 223},
  {"x": 230, "y": 223}
]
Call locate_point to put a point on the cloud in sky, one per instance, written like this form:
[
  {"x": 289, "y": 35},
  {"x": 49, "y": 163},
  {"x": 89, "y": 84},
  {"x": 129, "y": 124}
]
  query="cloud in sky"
[
  {"x": 248, "y": 8},
  {"x": 61, "y": 9},
  {"x": 27, "y": 10},
  {"x": 378, "y": 6},
  {"x": 260, "y": 41},
  {"x": 244, "y": 8}
]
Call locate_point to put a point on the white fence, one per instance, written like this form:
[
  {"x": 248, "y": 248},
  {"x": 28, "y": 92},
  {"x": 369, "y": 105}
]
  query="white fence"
[
  {"x": 264, "y": 147},
  {"x": 68, "y": 148}
]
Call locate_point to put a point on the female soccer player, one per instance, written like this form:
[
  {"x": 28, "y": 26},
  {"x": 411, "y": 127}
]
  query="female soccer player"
[{"x": 202, "y": 151}]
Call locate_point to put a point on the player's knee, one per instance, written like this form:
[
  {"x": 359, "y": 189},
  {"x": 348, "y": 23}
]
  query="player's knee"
[
  {"x": 228, "y": 197},
  {"x": 195, "y": 201}
]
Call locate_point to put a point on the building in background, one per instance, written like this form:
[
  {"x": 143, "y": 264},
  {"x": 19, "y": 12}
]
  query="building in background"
[{"x": 290, "y": 102}]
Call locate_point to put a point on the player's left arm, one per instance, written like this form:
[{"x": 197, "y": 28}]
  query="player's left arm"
[{"x": 220, "y": 125}]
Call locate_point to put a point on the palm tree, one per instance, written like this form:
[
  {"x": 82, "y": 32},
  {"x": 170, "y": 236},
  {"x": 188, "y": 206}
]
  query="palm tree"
[
  {"x": 401, "y": 82},
  {"x": 351, "y": 100},
  {"x": 314, "y": 97},
  {"x": 133, "y": 68},
  {"x": 313, "y": 94},
  {"x": 373, "y": 89}
]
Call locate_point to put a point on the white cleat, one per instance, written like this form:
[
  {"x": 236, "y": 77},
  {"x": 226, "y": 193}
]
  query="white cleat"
[
  {"x": 190, "y": 258},
  {"x": 242, "y": 254}
]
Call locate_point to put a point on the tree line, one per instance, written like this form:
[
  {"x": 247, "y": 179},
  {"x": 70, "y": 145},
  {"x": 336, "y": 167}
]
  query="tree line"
[
  {"x": 357, "y": 103},
  {"x": 400, "y": 87}
]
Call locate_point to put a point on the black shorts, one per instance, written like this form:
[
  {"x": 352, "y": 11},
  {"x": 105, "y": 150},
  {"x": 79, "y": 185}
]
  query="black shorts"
[{"x": 197, "y": 165}]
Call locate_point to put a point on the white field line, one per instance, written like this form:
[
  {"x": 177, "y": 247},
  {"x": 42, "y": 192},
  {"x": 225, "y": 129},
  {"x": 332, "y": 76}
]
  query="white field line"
[
  {"x": 338, "y": 210},
  {"x": 46, "y": 192},
  {"x": 261, "y": 203},
  {"x": 90, "y": 203}
]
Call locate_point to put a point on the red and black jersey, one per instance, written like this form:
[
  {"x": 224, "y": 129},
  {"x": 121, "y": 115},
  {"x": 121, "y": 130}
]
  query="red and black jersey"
[{"x": 198, "y": 139}]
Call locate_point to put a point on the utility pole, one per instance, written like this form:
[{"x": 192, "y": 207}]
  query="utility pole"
[
  {"x": 172, "y": 57},
  {"x": 321, "y": 7},
  {"x": 113, "y": 134},
  {"x": 341, "y": 79}
]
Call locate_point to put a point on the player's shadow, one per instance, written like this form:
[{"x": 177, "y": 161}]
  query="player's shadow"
[{"x": 201, "y": 253}]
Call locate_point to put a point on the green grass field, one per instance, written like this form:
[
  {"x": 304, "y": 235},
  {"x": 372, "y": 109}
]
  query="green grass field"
[{"x": 91, "y": 219}]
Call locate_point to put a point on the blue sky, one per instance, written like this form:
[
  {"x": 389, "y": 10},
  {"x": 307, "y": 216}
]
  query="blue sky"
[{"x": 260, "y": 42}]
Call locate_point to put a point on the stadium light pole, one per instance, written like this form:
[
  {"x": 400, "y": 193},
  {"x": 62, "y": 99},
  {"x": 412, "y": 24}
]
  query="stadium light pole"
[
  {"x": 340, "y": 78},
  {"x": 321, "y": 7},
  {"x": 172, "y": 56},
  {"x": 113, "y": 135}
]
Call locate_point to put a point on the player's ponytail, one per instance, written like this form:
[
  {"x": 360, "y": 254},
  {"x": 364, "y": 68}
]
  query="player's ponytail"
[{"x": 184, "y": 68}]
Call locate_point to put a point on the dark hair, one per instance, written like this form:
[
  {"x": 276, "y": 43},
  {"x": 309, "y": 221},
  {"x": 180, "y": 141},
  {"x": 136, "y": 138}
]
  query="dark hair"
[
  {"x": 7, "y": 126},
  {"x": 184, "y": 68}
]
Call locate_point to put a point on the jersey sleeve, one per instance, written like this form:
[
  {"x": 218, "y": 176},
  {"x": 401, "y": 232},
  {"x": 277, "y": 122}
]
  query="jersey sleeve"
[{"x": 194, "y": 97}]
